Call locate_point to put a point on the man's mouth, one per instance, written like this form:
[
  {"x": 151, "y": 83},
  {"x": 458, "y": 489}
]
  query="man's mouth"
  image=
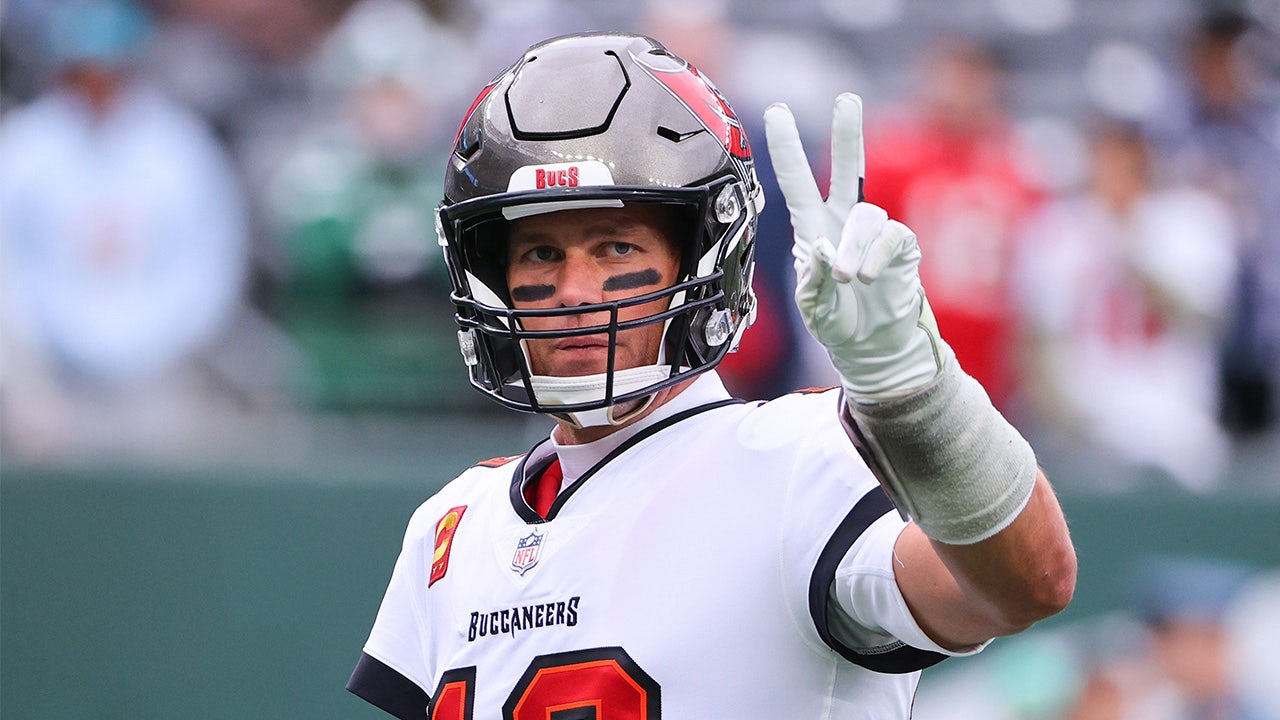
[{"x": 581, "y": 343}]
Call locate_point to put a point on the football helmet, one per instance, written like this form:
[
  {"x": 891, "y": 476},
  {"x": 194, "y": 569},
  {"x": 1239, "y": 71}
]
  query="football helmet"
[{"x": 587, "y": 121}]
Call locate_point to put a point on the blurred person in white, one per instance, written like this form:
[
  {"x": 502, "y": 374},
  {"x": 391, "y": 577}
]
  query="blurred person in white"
[
  {"x": 123, "y": 243},
  {"x": 1125, "y": 286},
  {"x": 1223, "y": 134}
]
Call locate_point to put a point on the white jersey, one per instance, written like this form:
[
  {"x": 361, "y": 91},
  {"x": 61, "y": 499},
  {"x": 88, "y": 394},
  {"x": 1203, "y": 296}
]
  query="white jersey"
[{"x": 727, "y": 560}]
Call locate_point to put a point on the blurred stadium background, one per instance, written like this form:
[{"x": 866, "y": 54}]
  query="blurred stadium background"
[{"x": 229, "y": 373}]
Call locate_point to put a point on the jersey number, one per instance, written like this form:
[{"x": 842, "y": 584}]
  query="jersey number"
[{"x": 597, "y": 684}]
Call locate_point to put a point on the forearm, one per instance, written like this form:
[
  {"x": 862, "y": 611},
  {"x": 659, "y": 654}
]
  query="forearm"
[
  {"x": 988, "y": 552},
  {"x": 946, "y": 457},
  {"x": 962, "y": 595}
]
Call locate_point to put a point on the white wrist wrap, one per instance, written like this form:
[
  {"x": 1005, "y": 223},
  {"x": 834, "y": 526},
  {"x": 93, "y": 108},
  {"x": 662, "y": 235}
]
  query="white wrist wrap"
[{"x": 946, "y": 457}]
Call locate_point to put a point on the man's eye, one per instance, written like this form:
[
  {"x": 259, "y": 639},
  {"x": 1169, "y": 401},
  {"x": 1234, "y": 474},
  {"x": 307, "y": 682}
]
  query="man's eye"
[
  {"x": 542, "y": 254},
  {"x": 621, "y": 248}
]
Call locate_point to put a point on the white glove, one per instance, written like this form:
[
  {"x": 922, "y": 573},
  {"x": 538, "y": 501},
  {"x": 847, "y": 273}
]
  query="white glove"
[{"x": 878, "y": 330}]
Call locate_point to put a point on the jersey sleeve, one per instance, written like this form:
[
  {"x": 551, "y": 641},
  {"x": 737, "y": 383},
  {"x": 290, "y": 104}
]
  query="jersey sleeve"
[
  {"x": 867, "y": 613},
  {"x": 841, "y": 530},
  {"x": 392, "y": 672}
]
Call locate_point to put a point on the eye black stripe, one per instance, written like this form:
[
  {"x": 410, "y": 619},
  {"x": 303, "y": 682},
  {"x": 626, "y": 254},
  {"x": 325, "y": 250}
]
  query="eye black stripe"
[
  {"x": 633, "y": 280},
  {"x": 533, "y": 293}
]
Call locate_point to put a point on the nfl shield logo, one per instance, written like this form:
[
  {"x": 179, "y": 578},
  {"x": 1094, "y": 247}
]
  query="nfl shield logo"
[{"x": 528, "y": 549}]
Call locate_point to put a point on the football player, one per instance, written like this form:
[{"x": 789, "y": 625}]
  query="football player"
[{"x": 669, "y": 551}]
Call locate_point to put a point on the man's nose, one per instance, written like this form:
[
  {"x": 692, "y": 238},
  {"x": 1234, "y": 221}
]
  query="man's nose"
[{"x": 580, "y": 282}]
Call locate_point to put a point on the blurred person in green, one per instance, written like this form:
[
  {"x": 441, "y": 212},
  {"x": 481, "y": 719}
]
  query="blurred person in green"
[{"x": 351, "y": 209}]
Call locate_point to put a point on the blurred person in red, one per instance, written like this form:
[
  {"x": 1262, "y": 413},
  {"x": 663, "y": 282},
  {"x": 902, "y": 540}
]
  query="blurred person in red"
[
  {"x": 949, "y": 165},
  {"x": 1124, "y": 287},
  {"x": 123, "y": 241}
]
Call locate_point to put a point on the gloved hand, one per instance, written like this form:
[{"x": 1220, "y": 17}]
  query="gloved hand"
[{"x": 861, "y": 299}]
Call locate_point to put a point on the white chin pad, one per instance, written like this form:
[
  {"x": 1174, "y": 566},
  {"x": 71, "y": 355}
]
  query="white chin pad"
[{"x": 554, "y": 391}]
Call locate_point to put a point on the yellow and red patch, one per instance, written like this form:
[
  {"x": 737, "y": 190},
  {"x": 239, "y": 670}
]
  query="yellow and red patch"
[{"x": 445, "y": 528}]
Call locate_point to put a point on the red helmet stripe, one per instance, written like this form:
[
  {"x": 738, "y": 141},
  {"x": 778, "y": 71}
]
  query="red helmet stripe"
[
  {"x": 705, "y": 101},
  {"x": 471, "y": 110}
]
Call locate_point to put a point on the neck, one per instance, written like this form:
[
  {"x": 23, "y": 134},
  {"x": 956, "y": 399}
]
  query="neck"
[
  {"x": 568, "y": 434},
  {"x": 99, "y": 87}
]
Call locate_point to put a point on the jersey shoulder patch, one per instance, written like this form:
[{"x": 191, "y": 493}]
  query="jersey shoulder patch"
[{"x": 445, "y": 528}]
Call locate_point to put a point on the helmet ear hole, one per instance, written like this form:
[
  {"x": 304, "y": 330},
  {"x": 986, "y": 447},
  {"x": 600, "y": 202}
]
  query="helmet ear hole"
[
  {"x": 484, "y": 246},
  {"x": 468, "y": 143}
]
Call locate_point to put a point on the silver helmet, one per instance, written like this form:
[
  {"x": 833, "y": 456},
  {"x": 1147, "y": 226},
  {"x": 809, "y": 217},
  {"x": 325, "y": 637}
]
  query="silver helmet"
[{"x": 599, "y": 120}]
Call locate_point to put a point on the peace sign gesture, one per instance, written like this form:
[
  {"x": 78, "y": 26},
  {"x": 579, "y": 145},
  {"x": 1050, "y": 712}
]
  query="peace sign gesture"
[{"x": 878, "y": 330}]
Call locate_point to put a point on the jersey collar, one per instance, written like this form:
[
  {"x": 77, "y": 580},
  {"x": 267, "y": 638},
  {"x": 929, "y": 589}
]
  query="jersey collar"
[
  {"x": 705, "y": 393},
  {"x": 576, "y": 460}
]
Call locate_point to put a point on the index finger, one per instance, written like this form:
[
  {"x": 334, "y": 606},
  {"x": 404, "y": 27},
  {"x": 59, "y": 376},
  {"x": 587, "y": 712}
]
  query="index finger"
[
  {"x": 848, "y": 163},
  {"x": 795, "y": 178}
]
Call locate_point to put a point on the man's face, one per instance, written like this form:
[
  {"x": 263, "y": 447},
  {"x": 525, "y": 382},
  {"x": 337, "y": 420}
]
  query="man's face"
[{"x": 579, "y": 257}]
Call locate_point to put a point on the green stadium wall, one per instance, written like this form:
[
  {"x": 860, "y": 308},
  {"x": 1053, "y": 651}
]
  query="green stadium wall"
[{"x": 140, "y": 595}]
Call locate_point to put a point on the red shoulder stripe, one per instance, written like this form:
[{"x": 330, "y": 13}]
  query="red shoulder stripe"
[
  {"x": 812, "y": 390},
  {"x": 498, "y": 461}
]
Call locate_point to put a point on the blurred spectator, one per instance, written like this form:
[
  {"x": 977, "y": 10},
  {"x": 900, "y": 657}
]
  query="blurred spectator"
[
  {"x": 353, "y": 199},
  {"x": 1184, "y": 669},
  {"x": 333, "y": 110},
  {"x": 1125, "y": 287},
  {"x": 122, "y": 232},
  {"x": 249, "y": 67},
  {"x": 1194, "y": 639},
  {"x": 950, "y": 167},
  {"x": 350, "y": 209},
  {"x": 1225, "y": 137}
]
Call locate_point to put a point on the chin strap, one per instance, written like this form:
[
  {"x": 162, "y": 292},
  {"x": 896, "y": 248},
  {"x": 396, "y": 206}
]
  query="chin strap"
[{"x": 552, "y": 391}]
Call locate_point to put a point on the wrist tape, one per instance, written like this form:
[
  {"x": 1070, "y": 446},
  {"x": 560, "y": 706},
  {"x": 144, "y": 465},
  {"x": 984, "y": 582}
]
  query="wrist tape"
[{"x": 946, "y": 457}]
